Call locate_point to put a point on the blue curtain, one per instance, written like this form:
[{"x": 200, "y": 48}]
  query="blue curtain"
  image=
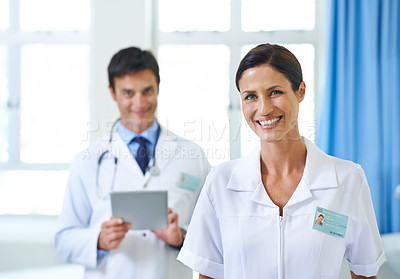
[{"x": 360, "y": 112}]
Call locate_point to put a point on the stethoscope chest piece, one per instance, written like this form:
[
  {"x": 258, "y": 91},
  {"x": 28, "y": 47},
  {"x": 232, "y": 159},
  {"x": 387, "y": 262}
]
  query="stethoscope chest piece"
[{"x": 154, "y": 171}]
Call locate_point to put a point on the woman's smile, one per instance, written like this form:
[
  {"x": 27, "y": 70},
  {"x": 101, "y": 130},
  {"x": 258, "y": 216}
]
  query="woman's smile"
[{"x": 270, "y": 123}]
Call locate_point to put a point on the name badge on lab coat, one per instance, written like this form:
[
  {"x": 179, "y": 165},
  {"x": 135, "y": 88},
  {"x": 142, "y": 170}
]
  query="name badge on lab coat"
[
  {"x": 330, "y": 222},
  {"x": 189, "y": 182}
]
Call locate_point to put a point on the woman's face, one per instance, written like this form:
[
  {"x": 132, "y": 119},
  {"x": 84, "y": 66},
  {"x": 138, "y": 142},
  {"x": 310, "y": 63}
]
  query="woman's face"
[
  {"x": 269, "y": 104},
  {"x": 320, "y": 219}
]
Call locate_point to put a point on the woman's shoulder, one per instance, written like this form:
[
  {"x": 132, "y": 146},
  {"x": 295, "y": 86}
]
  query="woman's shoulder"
[
  {"x": 225, "y": 169},
  {"x": 219, "y": 175},
  {"x": 344, "y": 166},
  {"x": 217, "y": 184},
  {"x": 349, "y": 174},
  {"x": 323, "y": 159}
]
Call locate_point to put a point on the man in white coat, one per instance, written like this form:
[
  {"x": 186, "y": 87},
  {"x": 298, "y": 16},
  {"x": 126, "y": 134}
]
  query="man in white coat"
[{"x": 138, "y": 154}]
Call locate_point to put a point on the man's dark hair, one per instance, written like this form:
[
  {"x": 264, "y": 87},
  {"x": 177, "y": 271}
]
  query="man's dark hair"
[{"x": 131, "y": 61}]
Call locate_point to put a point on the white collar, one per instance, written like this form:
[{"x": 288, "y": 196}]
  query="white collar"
[
  {"x": 165, "y": 149},
  {"x": 319, "y": 171}
]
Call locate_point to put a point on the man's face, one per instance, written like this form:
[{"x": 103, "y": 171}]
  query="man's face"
[{"x": 136, "y": 96}]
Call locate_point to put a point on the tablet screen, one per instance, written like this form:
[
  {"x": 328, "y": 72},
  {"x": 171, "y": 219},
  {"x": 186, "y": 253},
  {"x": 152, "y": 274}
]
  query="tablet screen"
[{"x": 145, "y": 210}]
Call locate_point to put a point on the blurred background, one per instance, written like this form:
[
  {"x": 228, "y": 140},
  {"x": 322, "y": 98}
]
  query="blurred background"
[{"x": 54, "y": 99}]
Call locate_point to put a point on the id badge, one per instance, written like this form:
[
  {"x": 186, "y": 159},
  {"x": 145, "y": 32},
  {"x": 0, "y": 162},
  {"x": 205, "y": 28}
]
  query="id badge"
[
  {"x": 189, "y": 182},
  {"x": 330, "y": 222}
]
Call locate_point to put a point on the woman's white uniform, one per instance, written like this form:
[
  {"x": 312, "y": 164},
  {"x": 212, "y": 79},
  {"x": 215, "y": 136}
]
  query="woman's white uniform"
[
  {"x": 236, "y": 230},
  {"x": 86, "y": 206}
]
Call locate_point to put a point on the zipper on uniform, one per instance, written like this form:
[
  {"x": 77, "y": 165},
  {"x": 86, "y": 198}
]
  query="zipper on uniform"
[{"x": 280, "y": 252}]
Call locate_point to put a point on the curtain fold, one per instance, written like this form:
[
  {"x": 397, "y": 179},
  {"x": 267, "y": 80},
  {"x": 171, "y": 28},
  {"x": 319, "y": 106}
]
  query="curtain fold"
[{"x": 360, "y": 112}]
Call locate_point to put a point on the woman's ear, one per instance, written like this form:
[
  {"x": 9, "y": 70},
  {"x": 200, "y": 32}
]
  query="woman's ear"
[{"x": 301, "y": 92}]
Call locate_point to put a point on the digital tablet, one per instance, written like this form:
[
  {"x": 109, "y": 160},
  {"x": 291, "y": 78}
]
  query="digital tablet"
[{"x": 145, "y": 210}]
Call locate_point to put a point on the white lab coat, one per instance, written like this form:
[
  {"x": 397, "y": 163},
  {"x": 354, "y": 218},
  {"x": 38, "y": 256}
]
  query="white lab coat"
[
  {"x": 141, "y": 254},
  {"x": 236, "y": 230}
]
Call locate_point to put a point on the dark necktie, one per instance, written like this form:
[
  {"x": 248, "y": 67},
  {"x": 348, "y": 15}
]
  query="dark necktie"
[{"x": 142, "y": 156}]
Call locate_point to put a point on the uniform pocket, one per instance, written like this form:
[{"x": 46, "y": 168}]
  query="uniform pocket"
[
  {"x": 331, "y": 256},
  {"x": 257, "y": 242}
]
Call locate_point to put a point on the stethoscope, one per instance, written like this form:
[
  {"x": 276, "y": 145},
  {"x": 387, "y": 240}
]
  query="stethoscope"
[{"x": 152, "y": 169}]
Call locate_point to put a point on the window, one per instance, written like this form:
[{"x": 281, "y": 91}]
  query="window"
[
  {"x": 3, "y": 14},
  {"x": 32, "y": 191},
  {"x": 185, "y": 85},
  {"x": 62, "y": 15},
  {"x": 44, "y": 70},
  {"x": 58, "y": 94},
  {"x": 272, "y": 15},
  {"x": 3, "y": 106},
  {"x": 191, "y": 15},
  {"x": 199, "y": 48}
]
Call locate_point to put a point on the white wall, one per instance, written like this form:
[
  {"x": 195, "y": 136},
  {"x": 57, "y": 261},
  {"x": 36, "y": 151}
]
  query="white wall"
[{"x": 27, "y": 242}]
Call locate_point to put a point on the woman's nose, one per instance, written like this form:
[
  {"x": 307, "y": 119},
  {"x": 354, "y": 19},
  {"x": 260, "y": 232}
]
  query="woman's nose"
[{"x": 265, "y": 106}]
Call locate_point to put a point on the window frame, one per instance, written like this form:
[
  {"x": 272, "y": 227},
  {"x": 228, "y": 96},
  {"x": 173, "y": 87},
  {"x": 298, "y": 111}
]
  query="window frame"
[{"x": 13, "y": 39}]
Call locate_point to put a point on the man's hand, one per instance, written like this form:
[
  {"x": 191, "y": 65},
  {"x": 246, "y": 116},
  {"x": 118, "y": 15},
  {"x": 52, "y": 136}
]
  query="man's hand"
[
  {"x": 173, "y": 234},
  {"x": 355, "y": 276},
  {"x": 112, "y": 233}
]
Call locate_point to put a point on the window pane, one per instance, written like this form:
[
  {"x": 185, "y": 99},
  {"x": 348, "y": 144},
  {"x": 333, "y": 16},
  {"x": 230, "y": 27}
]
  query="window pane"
[
  {"x": 191, "y": 15},
  {"x": 54, "y": 102},
  {"x": 43, "y": 192},
  {"x": 271, "y": 15},
  {"x": 47, "y": 15},
  {"x": 4, "y": 11},
  {"x": 305, "y": 54},
  {"x": 4, "y": 112},
  {"x": 194, "y": 92}
]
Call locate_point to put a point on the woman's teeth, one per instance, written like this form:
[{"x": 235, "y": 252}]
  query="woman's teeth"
[{"x": 269, "y": 122}]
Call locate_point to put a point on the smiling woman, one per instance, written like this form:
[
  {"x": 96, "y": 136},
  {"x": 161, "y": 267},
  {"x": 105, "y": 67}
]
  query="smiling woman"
[{"x": 277, "y": 191}]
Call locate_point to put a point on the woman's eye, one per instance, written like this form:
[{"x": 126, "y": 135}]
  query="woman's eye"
[
  {"x": 276, "y": 92},
  {"x": 250, "y": 97}
]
